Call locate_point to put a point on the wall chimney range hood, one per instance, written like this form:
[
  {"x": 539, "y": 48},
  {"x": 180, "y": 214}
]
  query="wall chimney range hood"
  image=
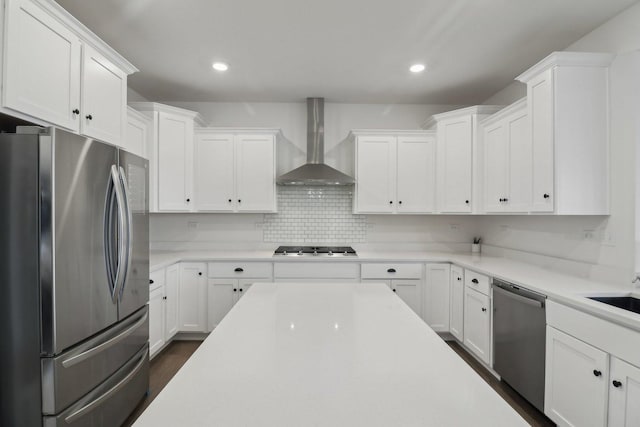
[{"x": 315, "y": 171}]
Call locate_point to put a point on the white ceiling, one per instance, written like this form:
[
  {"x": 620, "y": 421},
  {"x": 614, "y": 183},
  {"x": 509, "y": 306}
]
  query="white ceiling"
[{"x": 354, "y": 51}]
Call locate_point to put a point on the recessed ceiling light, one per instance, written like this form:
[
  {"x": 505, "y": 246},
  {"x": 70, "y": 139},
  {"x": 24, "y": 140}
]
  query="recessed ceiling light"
[
  {"x": 220, "y": 66},
  {"x": 417, "y": 68}
]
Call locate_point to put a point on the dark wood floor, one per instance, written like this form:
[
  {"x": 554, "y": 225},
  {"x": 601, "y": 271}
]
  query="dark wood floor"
[
  {"x": 161, "y": 369},
  {"x": 165, "y": 365},
  {"x": 517, "y": 402}
]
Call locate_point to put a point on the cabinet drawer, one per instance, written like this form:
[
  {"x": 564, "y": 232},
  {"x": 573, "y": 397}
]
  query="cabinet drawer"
[
  {"x": 315, "y": 270},
  {"x": 476, "y": 281},
  {"x": 391, "y": 271},
  {"x": 156, "y": 279},
  {"x": 239, "y": 270}
]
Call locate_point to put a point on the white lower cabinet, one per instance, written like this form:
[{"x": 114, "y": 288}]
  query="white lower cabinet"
[
  {"x": 456, "y": 306},
  {"x": 171, "y": 286},
  {"x": 405, "y": 279},
  {"x": 576, "y": 381},
  {"x": 156, "y": 320},
  {"x": 192, "y": 298},
  {"x": 477, "y": 323},
  {"x": 223, "y": 294},
  {"x": 436, "y": 296},
  {"x": 409, "y": 291},
  {"x": 624, "y": 394}
]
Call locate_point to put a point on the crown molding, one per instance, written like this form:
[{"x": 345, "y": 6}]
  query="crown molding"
[{"x": 567, "y": 59}]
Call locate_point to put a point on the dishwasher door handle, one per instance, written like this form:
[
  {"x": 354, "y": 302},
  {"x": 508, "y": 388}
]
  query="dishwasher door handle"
[{"x": 519, "y": 298}]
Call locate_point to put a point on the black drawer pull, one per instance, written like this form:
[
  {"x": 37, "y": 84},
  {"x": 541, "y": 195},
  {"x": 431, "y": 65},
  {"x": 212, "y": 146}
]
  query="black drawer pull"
[
  {"x": 474, "y": 281},
  {"x": 391, "y": 270},
  {"x": 394, "y": 290},
  {"x": 238, "y": 270},
  {"x": 597, "y": 373},
  {"x": 151, "y": 281},
  {"x": 545, "y": 195},
  {"x": 617, "y": 384}
]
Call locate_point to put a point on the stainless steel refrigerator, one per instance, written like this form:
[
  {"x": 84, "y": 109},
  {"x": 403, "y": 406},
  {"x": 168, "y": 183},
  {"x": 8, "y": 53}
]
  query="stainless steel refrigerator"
[{"x": 74, "y": 278}]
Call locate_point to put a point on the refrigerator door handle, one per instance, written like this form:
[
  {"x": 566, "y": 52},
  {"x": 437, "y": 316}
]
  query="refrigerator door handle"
[
  {"x": 105, "y": 345},
  {"x": 109, "y": 250},
  {"x": 109, "y": 393},
  {"x": 128, "y": 217},
  {"x": 122, "y": 232}
]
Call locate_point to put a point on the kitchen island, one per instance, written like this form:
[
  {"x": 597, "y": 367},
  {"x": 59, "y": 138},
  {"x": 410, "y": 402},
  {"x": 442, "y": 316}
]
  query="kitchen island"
[{"x": 340, "y": 354}]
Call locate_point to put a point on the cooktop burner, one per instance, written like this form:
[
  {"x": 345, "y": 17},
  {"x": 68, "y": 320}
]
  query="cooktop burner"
[{"x": 315, "y": 251}]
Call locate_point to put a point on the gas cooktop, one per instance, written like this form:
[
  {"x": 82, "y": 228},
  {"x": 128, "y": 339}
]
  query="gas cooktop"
[{"x": 337, "y": 251}]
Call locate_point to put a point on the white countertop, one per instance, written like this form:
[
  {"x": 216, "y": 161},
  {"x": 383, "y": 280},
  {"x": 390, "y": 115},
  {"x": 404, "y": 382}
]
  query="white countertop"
[
  {"x": 563, "y": 288},
  {"x": 301, "y": 354}
]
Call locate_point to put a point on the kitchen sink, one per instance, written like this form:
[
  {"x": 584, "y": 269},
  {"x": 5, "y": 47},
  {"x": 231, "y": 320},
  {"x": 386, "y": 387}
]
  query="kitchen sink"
[{"x": 628, "y": 303}]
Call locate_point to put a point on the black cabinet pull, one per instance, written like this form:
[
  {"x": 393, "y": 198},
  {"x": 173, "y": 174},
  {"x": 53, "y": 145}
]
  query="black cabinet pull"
[
  {"x": 164, "y": 298},
  {"x": 466, "y": 201},
  {"x": 400, "y": 202},
  {"x": 500, "y": 200},
  {"x": 474, "y": 281},
  {"x": 151, "y": 281},
  {"x": 229, "y": 200},
  {"x": 484, "y": 309},
  {"x": 391, "y": 270},
  {"x": 199, "y": 273},
  {"x": 390, "y": 202},
  {"x": 617, "y": 384},
  {"x": 505, "y": 199},
  {"x": 235, "y": 290},
  {"x": 238, "y": 270},
  {"x": 597, "y": 373},
  {"x": 394, "y": 290},
  {"x": 76, "y": 111},
  {"x": 89, "y": 117},
  {"x": 459, "y": 279},
  {"x": 188, "y": 200},
  {"x": 239, "y": 201},
  {"x": 240, "y": 289},
  {"x": 545, "y": 195}
]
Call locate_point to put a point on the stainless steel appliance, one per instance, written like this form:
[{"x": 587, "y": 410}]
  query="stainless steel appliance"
[
  {"x": 302, "y": 251},
  {"x": 519, "y": 339},
  {"x": 74, "y": 269}
]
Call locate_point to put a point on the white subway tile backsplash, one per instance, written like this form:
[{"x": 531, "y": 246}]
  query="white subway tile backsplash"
[{"x": 321, "y": 215}]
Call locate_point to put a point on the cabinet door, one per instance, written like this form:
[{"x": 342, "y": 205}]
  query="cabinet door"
[
  {"x": 455, "y": 145},
  {"x": 104, "y": 98},
  {"x": 624, "y": 394},
  {"x": 192, "y": 298},
  {"x": 376, "y": 174},
  {"x": 409, "y": 291},
  {"x": 222, "y": 295},
  {"x": 518, "y": 163},
  {"x": 436, "y": 301},
  {"x": 171, "y": 302},
  {"x": 416, "y": 172},
  {"x": 175, "y": 160},
  {"x": 575, "y": 381},
  {"x": 477, "y": 324},
  {"x": 42, "y": 66},
  {"x": 495, "y": 167},
  {"x": 541, "y": 116},
  {"x": 156, "y": 320},
  {"x": 245, "y": 284},
  {"x": 137, "y": 135},
  {"x": 456, "y": 317},
  {"x": 255, "y": 173},
  {"x": 214, "y": 172}
]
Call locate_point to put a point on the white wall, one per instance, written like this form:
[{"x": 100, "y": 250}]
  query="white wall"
[
  {"x": 133, "y": 96},
  {"x": 559, "y": 242}
]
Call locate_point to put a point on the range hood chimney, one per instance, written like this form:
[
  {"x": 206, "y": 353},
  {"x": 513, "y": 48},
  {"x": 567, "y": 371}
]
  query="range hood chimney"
[{"x": 315, "y": 171}]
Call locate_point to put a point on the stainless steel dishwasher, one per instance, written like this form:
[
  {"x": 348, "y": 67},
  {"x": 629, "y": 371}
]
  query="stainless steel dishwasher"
[{"x": 519, "y": 339}]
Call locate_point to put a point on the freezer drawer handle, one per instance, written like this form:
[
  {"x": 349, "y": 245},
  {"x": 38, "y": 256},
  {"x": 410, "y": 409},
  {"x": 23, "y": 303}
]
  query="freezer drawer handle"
[
  {"x": 95, "y": 350},
  {"x": 95, "y": 403}
]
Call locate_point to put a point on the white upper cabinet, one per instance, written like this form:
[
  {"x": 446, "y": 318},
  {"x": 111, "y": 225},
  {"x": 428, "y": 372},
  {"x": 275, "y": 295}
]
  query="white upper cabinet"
[
  {"x": 104, "y": 98},
  {"x": 57, "y": 72},
  {"x": 459, "y": 166},
  {"x": 395, "y": 172},
  {"x": 507, "y": 160},
  {"x": 568, "y": 109},
  {"x": 171, "y": 156},
  {"x": 235, "y": 170},
  {"x": 138, "y": 133}
]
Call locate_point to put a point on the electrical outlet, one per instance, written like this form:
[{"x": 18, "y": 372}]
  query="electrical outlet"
[{"x": 192, "y": 225}]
